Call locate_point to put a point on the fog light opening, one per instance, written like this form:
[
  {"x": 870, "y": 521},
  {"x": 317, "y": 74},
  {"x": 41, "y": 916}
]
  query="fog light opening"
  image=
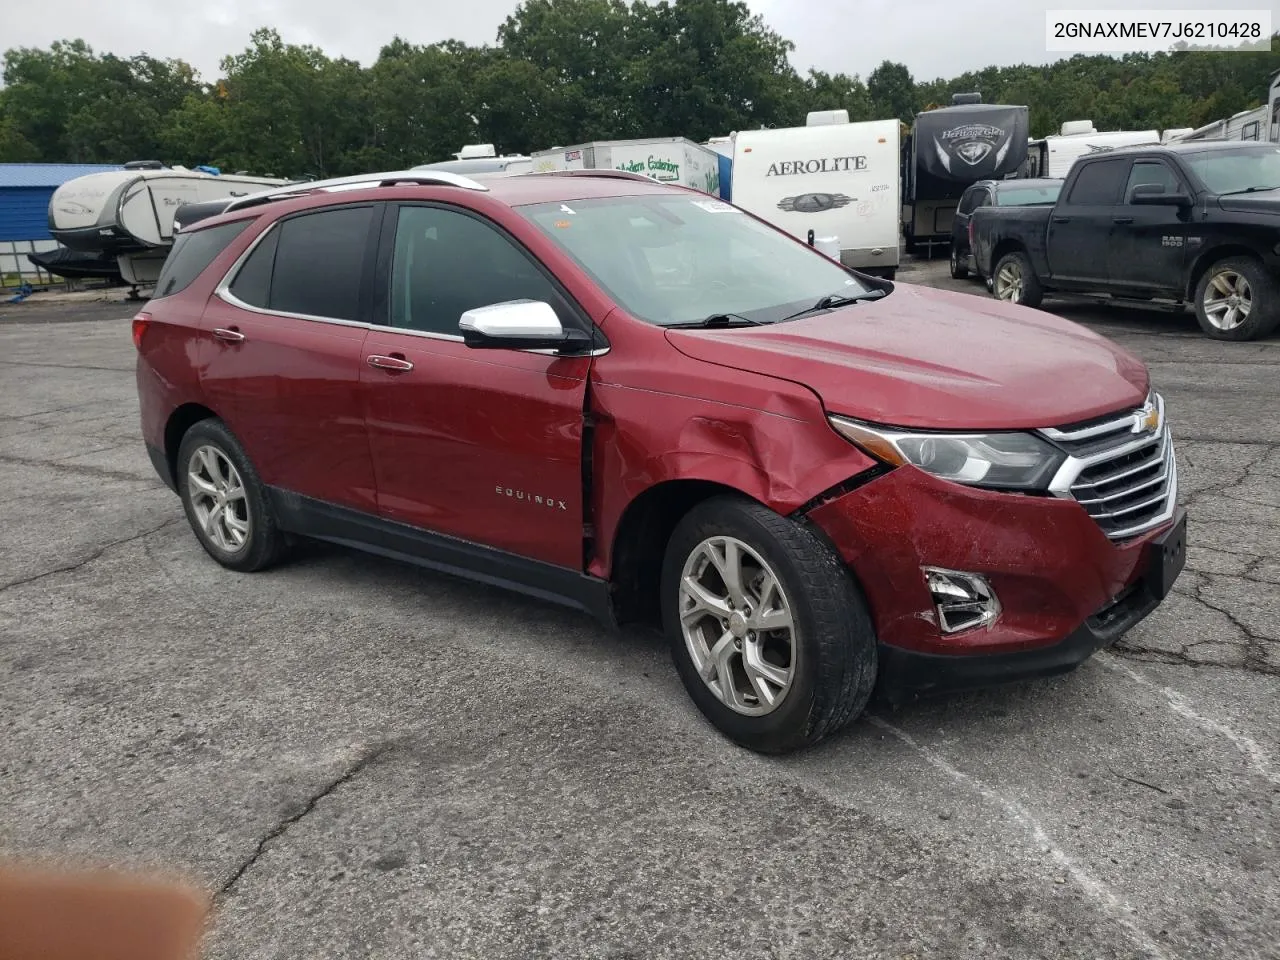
[{"x": 963, "y": 600}]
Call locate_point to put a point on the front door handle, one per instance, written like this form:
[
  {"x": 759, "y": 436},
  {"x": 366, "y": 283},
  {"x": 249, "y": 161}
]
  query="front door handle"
[
  {"x": 393, "y": 363},
  {"x": 1061, "y": 219},
  {"x": 1122, "y": 219},
  {"x": 229, "y": 334}
]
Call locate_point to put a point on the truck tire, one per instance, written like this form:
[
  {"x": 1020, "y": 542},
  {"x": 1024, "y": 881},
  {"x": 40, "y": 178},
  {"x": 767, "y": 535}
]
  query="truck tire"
[
  {"x": 225, "y": 502},
  {"x": 1237, "y": 299},
  {"x": 959, "y": 271},
  {"x": 1014, "y": 280},
  {"x": 769, "y": 632}
]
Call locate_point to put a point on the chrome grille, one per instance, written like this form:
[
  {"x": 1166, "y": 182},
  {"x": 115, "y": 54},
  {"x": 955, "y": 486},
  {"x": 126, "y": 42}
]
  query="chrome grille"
[{"x": 1121, "y": 471}]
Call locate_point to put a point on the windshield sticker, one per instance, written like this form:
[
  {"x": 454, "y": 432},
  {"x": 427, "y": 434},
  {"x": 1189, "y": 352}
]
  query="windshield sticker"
[
  {"x": 715, "y": 206},
  {"x": 564, "y": 208},
  {"x": 562, "y": 224}
]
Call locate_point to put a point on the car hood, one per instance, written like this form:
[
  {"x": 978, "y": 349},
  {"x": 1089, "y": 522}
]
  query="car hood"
[
  {"x": 937, "y": 360},
  {"x": 1264, "y": 201}
]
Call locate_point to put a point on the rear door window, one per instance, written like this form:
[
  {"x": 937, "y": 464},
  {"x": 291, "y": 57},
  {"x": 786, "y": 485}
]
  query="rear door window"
[
  {"x": 319, "y": 262},
  {"x": 1099, "y": 184},
  {"x": 192, "y": 253}
]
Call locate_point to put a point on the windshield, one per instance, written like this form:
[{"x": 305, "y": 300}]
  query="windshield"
[
  {"x": 1230, "y": 171},
  {"x": 678, "y": 258},
  {"x": 1029, "y": 196}
]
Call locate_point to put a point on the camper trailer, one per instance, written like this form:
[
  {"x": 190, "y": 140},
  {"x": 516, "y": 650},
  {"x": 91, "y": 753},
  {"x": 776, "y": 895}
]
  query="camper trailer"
[
  {"x": 948, "y": 149},
  {"x": 1053, "y": 156},
  {"x": 482, "y": 159},
  {"x": 129, "y": 213},
  {"x": 1260, "y": 123},
  {"x": 667, "y": 159},
  {"x": 834, "y": 182}
]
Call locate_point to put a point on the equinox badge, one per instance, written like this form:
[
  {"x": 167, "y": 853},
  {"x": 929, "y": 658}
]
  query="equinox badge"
[{"x": 551, "y": 502}]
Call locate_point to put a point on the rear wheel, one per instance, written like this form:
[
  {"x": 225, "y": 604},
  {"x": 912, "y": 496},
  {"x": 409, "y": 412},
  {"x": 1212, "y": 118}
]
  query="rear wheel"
[
  {"x": 225, "y": 502},
  {"x": 769, "y": 633},
  {"x": 1236, "y": 299},
  {"x": 1014, "y": 280},
  {"x": 959, "y": 269}
]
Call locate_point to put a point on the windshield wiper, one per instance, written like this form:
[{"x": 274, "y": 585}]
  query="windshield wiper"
[
  {"x": 833, "y": 300},
  {"x": 1231, "y": 193},
  {"x": 719, "y": 320}
]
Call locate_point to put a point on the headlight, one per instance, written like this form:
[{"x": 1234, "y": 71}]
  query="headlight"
[{"x": 1002, "y": 461}]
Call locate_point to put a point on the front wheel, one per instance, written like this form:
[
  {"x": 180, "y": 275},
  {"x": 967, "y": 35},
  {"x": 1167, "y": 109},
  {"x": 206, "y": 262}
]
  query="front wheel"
[
  {"x": 959, "y": 269},
  {"x": 1236, "y": 299},
  {"x": 770, "y": 634},
  {"x": 1015, "y": 281}
]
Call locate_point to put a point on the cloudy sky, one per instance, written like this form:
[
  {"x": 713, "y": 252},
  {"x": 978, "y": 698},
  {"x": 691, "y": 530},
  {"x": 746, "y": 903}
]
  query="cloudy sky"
[{"x": 932, "y": 37}]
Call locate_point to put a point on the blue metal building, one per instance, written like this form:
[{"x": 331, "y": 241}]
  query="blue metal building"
[{"x": 25, "y": 191}]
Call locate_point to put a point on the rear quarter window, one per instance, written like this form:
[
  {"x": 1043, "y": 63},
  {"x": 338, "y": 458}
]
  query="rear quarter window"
[{"x": 192, "y": 253}]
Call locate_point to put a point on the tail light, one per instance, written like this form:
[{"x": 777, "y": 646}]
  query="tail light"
[
  {"x": 140, "y": 323},
  {"x": 970, "y": 234}
]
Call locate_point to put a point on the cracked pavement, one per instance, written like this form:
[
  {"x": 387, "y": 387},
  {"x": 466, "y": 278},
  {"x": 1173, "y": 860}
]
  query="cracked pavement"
[{"x": 360, "y": 759}]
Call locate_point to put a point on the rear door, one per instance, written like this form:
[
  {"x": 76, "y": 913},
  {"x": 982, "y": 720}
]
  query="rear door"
[
  {"x": 1080, "y": 225},
  {"x": 283, "y": 361},
  {"x": 480, "y": 444},
  {"x": 1148, "y": 243}
]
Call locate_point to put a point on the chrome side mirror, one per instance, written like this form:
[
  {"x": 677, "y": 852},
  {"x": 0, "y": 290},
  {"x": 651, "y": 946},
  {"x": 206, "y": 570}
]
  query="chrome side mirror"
[{"x": 519, "y": 325}]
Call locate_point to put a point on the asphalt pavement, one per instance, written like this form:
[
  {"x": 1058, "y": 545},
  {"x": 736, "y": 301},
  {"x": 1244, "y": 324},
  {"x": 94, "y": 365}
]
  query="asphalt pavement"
[{"x": 361, "y": 759}]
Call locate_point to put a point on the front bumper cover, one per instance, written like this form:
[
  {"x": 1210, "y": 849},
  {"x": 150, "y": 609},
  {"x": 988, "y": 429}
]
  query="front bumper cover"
[{"x": 1066, "y": 590}]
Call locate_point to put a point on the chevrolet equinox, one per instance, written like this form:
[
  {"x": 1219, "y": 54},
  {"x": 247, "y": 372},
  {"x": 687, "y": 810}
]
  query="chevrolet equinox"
[{"x": 647, "y": 404}]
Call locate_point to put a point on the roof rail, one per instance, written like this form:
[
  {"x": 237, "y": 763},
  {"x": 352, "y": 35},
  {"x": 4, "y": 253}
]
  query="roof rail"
[
  {"x": 608, "y": 174},
  {"x": 423, "y": 177}
]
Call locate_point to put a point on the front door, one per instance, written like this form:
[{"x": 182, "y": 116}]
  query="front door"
[
  {"x": 481, "y": 444},
  {"x": 1148, "y": 243},
  {"x": 283, "y": 361},
  {"x": 1080, "y": 225}
]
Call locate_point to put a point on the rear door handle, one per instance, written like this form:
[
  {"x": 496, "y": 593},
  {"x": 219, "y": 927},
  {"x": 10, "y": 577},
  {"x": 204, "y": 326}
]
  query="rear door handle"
[
  {"x": 1061, "y": 219},
  {"x": 229, "y": 334},
  {"x": 1122, "y": 219},
  {"x": 395, "y": 364}
]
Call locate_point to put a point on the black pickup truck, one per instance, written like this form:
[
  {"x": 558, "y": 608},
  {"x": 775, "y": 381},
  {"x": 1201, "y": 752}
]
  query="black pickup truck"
[{"x": 1196, "y": 221}]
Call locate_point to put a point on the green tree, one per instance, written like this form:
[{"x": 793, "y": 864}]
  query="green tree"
[{"x": 893, "y": 91}]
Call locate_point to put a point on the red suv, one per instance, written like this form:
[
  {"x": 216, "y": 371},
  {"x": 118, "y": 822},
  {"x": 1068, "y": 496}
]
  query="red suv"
[{"x": 645, "y": 403}]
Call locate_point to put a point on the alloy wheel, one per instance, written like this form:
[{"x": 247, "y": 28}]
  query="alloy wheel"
[
  {"x": 738, "y": 626},
  {"x": 218, "y": 499},
  {"x": 1227, "y": 300},
  {"x": 1008, "y": 282}
]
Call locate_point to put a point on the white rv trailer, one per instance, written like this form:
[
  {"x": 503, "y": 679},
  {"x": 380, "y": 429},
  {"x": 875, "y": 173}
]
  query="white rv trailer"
[
  {"x": 837, "y": 180},
  {"x": 129, "y": 213},
  {"x": 1260, "y": 123},
  {"x": 1052, "y": 156},
  {"x": 666, "y": 159}
]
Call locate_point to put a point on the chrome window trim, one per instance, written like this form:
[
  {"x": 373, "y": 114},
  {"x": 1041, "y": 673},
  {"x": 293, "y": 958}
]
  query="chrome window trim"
[{"x": 223, "y": 292}]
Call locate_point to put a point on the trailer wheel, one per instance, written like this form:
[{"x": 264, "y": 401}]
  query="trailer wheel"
[
  {"x": 1015, "y": 281},
  {"x": 959, "y": 270}
]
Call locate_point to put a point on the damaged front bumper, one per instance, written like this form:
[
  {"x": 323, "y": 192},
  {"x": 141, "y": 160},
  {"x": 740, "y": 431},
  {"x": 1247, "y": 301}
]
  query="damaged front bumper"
[{"x": 1064, "y": 589}]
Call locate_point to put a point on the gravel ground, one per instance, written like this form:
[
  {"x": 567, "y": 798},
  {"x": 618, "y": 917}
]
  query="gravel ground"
[{"x": 360, "y": 759}]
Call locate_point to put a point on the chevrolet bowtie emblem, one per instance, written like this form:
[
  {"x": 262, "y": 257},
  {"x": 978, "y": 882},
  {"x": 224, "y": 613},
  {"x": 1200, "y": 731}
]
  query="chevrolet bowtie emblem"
[{"x": 1146, "y": 420}]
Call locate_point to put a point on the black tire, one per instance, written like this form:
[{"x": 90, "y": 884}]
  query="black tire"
[
  {"x": 264, "y": 543},
  {"x": 833, "y": 656},
  {"x": 1030, "y": 293},
  {"x": 1261, "y": 287},
  {"x": 959, "y": 271}
]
